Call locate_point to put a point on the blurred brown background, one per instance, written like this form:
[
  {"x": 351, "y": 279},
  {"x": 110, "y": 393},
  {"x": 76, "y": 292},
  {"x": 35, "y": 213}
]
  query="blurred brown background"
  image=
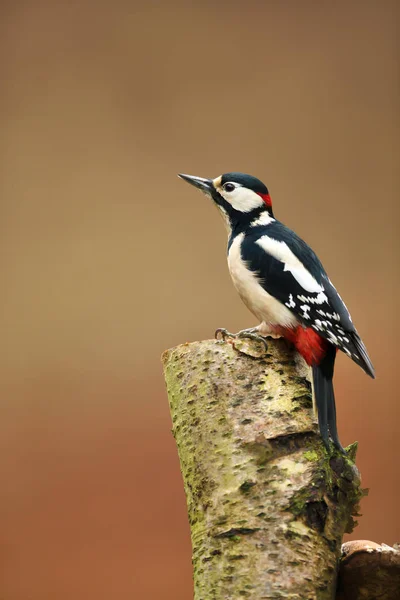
[{"x": 107, "y": 258}]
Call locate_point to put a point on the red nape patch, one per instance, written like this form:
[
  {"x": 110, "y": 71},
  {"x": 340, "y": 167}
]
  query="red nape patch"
[
  {"x": 266, "y": 198},
  {"x": 307, "y": 342}
]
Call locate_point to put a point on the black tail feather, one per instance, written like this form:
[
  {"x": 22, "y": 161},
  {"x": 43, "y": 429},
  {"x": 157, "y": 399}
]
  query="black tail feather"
[
  {"x": 332, "y": 416},
  {"x": 325, "y": 398},
  {"x": 322, "y": 406},
  {"x": 362, "y": 355}
]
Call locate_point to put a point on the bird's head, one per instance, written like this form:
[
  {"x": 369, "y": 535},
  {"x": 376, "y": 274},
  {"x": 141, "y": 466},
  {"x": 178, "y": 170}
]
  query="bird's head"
[{"x": 241, "y": 198}]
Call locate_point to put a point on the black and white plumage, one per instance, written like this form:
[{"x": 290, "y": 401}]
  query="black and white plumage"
[
  {"x": 290, "y": 271},
  {"x": 283, "y": 283}
]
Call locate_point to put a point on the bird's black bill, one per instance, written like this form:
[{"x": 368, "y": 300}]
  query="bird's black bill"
[{"x": 205, "y": 185}]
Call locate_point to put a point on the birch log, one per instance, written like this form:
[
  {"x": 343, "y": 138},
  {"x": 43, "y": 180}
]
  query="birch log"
[{"x": 267, "y": 505}]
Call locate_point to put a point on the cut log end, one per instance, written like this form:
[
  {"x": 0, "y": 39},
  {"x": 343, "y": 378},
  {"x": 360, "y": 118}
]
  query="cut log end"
[{"x": 369, "y": 571}]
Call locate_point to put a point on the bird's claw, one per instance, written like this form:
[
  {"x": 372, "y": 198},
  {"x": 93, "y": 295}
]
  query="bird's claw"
[
  {"x": 243, "y": 335},
  {"x": 222, "y": 335}
]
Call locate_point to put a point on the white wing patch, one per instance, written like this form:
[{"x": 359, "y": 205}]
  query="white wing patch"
[
  {"x": 306, "y": 309},
  {"x": 291, "y": 303},
  {"x": 264, "y": 306},
  {"x": 328, "y": 315},
  {"x": 282, "y": 252},
  {"x": 319, "y": 299},
  {"x": 329, "y": 323}
]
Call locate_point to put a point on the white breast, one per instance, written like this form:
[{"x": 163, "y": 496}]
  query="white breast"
[{"x": 264, "y": 306}]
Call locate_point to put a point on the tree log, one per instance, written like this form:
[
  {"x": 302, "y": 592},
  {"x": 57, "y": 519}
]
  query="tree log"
[{"x": 267, "y": 504}]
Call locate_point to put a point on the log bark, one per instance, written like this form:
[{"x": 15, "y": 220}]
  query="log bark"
[
  {"x": 267, "y": 505},
  {"x": 369, "y": 571}
]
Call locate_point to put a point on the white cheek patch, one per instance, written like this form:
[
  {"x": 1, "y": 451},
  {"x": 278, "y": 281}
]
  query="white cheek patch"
[{"x": 242, "y": 199}]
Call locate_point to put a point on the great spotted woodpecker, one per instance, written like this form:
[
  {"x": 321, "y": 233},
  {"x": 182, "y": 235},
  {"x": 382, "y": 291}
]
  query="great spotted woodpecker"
[{"x": 283, "y": 283}]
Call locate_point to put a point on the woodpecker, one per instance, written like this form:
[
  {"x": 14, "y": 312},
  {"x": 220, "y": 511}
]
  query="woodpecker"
[{"x": 283, "y": 283}]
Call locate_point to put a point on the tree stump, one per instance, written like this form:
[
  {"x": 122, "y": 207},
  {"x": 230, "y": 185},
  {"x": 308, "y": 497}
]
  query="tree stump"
[{"x": 267, "y": 504}]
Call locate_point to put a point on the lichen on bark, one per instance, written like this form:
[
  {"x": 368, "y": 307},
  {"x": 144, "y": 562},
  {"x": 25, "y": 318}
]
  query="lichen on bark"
[{"x": 267, "y": 505}]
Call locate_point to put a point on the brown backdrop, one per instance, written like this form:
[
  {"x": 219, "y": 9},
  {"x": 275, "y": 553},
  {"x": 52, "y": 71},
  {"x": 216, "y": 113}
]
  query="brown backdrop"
[{"x": 107, "y": 258}]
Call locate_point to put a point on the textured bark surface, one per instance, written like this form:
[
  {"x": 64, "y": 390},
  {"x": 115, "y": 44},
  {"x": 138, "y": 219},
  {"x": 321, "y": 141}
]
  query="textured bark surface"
[
  {"x": 267, "y": 505},
  {"x": 369, "y": 571}
]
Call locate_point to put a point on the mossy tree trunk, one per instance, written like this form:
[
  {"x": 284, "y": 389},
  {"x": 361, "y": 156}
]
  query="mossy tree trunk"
[{"x": 267, "y": 505}]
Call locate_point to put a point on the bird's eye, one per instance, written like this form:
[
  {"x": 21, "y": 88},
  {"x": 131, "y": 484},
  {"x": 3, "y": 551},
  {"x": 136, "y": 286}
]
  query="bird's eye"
[{"x": 229, "y": 187}]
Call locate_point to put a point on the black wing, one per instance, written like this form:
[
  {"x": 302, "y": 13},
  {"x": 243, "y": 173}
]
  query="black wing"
[{"x": 304, "y": 288}]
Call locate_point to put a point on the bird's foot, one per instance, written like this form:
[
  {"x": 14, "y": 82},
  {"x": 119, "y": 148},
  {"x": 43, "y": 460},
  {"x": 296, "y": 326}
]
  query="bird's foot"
[
  {"x": 221, "y": 334},
  {"x": 249, "y": 334},
  {"x": 256, "y": 337}
]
